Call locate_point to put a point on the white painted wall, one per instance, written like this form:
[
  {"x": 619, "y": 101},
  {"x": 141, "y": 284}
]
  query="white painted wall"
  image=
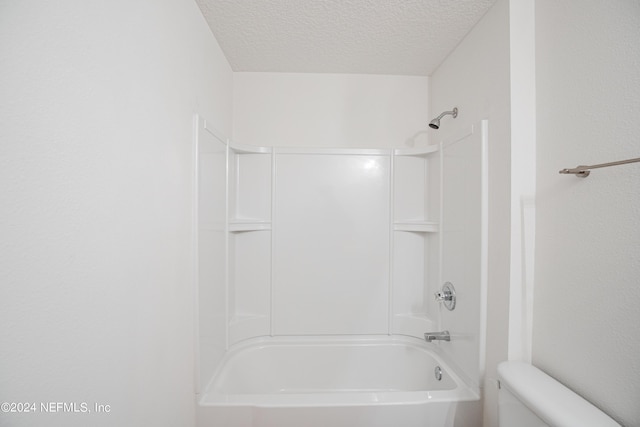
[
  {"x": 475, "y": 78},
  {"x": 330, "y": 110},
  {"x": 96, "y": 298},
  {"x": 587, "y": 296}
]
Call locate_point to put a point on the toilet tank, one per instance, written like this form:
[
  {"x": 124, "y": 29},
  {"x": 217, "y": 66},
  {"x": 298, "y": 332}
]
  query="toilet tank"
[
  {"x": 530, "y": 398},
  {"x": 512, "y": 412}
]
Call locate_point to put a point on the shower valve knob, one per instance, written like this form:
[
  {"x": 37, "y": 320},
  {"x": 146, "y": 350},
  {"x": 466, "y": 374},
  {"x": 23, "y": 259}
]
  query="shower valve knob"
[
  {"x": 443, "y": 296},
  {"x": 447, "y": 296}
]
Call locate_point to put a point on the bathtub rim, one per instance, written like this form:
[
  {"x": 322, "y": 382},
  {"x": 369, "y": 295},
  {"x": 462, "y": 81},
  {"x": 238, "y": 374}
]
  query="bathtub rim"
[{"x": 463, "y": 390}]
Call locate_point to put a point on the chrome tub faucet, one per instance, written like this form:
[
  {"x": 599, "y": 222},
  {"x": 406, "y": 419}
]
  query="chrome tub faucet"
[{"x": 437, "y": 336}]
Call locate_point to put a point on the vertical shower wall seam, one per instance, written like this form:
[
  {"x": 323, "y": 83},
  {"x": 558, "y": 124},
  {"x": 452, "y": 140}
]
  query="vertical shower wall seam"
[
  {"x": 273, "y": 243},
  {"x": 195, "y": 218},
  {"x": 425, "y": 243},
  {"x": 391, "y": 241},
  {"x": 441, "y": 222},
  {"x": 484, "y": 251},
  {"x": 226, "y": 246}
]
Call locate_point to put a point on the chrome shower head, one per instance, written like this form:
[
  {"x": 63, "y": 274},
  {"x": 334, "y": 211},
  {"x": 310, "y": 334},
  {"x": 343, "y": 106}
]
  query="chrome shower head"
[{"x": 435, "y": 123}]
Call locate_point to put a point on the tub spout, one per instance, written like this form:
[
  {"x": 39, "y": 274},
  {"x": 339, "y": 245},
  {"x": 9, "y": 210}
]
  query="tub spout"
[{"x": 438, "y": 336}]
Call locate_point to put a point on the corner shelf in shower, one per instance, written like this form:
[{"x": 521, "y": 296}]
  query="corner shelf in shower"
[
  {"x": 238, "y": 225},
  {"x": 248, "y": 149},
  {"x": 417, "y": 151},
  {"x": 416, "y": 226}
]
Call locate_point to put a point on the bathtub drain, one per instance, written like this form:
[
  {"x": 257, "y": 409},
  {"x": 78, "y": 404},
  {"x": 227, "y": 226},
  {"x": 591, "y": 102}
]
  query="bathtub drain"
[{"x": 438, "y": 373}]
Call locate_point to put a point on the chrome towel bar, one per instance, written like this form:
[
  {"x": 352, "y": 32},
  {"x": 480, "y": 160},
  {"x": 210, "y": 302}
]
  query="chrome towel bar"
[{"x": 583, "y": 171}]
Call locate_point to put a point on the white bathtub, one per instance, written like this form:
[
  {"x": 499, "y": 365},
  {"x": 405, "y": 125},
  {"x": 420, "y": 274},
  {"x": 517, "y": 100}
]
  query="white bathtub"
[{"x": 329, "y": 381}]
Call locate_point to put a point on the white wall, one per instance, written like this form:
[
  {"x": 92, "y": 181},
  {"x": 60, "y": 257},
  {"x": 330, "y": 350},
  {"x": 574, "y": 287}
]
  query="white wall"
[
  {"x": 587, "y": 296},
  {"x": 475, "y": 78},
  {"x": 96, "y": 299},
  {"x": 523, "y": 176},
  {"x": 330, "y": 110}
]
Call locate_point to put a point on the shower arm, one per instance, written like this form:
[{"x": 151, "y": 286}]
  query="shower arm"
[{"x": 453, "y": 112}]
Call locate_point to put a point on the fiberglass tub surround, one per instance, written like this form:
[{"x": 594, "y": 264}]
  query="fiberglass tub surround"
[{"x": 317, "y": 270}]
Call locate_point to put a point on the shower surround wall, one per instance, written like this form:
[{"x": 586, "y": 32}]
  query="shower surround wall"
[
  {"x": 311, "y": 247},
  {"x": 331, "y": 249}
]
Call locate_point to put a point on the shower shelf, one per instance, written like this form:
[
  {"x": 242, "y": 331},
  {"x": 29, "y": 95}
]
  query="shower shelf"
[
  {"x": 419, "y": 151},
  {"x": 416, "y": 226},
  {"x": 248, "y": 149},
  {"x": 236, "y": 225}
]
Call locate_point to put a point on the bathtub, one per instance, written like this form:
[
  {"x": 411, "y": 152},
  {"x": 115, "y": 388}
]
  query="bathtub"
[{"x": 336, "y": 381}]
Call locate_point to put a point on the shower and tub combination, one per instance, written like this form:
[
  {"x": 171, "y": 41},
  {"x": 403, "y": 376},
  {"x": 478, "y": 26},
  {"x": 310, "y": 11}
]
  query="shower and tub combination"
[{"x": 341, "y": 287}]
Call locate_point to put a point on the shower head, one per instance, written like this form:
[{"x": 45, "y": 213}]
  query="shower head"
[{"x": 435, "y": 123}]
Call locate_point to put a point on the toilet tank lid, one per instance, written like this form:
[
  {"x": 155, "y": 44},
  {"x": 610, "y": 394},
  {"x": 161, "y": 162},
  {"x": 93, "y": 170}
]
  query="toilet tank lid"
[{"x": 550, "y": 400}]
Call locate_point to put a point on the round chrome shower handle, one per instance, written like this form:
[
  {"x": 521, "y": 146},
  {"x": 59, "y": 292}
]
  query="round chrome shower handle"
[
  {"x": 443, "y": 296},
  {"x": 447, "y": 296}
]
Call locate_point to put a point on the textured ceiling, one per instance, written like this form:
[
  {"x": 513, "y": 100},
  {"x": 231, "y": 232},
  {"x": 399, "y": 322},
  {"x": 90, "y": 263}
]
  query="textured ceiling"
[{"x": 402, "y": 37}]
